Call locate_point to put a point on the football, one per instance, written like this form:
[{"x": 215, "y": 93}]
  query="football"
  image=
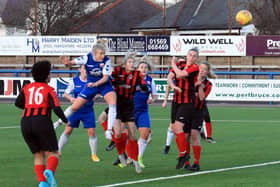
[{"x": 243, "y": 17}]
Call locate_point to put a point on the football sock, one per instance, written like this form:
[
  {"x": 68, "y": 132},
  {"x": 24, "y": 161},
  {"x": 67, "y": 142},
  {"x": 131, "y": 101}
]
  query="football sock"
[
  {"x": 52, "y": 163},
  {"x": 68, "y": 112},
  {"x": 93, "y": 144},
  {"x": 142, "y": 144},
  {"x": 63, "y": 140},
  {"x": 112, "y": 114},
  {"x": 181, "y": 143},
  {"x": 188, "y": 147},
  {"x": 39, "y": 170},
  {"x": 105, "y": 125},
  {"x": 169, "y": 137},
  {"x": 196, "y": 152},
  {"x": 209, "y": 129},
  {"x": 129, "y": 148},
  {"x": 121, "y": 143},
  {"x": 135, "y": 150}
]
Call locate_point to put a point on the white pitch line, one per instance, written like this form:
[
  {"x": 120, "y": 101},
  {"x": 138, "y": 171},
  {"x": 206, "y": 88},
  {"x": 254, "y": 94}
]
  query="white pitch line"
[
  {"x": 191, "y": 174},
  {"x": 10, "y": 127}
]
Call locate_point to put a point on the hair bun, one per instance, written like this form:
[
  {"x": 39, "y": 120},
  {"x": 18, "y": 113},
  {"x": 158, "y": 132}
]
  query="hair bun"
[{"x": 101, "y": 41}]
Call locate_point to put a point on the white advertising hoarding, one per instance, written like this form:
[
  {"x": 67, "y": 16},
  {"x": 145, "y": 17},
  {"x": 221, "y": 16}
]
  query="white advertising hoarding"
[
  {"x": 244, "y": 90},
  {"x": 209, "y": 45},
  {"x": 222, "y": 90},
  {"x": 11, "y": 86},
  {"x": 46, "y": 45}
]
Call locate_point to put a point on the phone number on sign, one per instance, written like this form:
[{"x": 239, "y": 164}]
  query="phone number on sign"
[
  {"x": 157, "y": 41},
  {"x": 158, "y": 47}
]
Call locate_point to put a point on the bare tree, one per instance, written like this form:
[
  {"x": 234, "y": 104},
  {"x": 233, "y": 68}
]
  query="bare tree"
[
  {"x": 266, "y": 15},
  {"x": 55, "y": 17}
]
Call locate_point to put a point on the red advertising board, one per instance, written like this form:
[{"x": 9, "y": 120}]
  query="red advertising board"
[{"x": 263, "y": 46}]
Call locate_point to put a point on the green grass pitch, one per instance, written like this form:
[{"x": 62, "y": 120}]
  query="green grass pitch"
[{"x": 244, "y": 135}]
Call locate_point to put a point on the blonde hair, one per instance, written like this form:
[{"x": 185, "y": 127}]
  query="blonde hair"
[
  {"x": 100, "y": 44},
  {"x": 210, "y": 74},
  {"x": 146, "y": 60}
]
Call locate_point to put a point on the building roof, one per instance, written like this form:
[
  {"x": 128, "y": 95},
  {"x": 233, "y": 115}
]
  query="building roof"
[
  {"x": 195, "y": 15},
  {"x": 117, "y": 16}
]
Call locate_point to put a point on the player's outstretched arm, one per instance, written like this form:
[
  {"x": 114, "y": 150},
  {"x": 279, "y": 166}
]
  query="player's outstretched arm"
[
  {"x": 179, "y": 73},
  {"x": 66, "y": 61}
]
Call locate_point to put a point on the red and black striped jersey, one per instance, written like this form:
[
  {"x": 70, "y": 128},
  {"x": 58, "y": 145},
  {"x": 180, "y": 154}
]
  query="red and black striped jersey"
[
  {"x": 125, "y": 82},
  {"x": 180, "y": 64},
  {"x": 207, "y": 87},
  {"x": 39, "y": 98},
  {"x": 186, "y": 84}
]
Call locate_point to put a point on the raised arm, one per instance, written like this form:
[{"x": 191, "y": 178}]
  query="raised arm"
[
  {"x": 179, "y": 73},
  {"x": 76, "y": 61},
  {"x": 201, "y": 93},
  {"x": 170, "y": 82}
]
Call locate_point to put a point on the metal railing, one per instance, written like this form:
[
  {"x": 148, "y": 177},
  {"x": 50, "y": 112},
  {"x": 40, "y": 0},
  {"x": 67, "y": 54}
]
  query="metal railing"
[
  {"x": 271, "y": 75},
  {"x": 164, "y": 66}
]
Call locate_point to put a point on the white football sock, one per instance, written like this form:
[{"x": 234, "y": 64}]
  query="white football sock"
[
  {"x": 112, "y": 114},
  {"x": 63, "y": 140},
  {"x": 142, "y": 145},
  {"x": 169, "y": 136},
  {"x": 68, "y": 112},
  {"x": 93, "y": 144}
]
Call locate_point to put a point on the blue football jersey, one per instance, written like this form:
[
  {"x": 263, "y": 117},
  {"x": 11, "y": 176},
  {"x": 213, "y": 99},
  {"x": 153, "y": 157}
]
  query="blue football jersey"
[
  {"x": 140, "y": 98},
  {"x": 95, "y": 70},
  {"x": 75, "y": 88}
]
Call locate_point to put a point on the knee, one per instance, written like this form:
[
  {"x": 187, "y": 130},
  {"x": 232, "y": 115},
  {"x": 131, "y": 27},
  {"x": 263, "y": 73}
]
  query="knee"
[
  {"x": 74, "y": 108},
  {"x": 144, "y": 135},
  {"x": 68, "y": 131},
  {"x": 132, "y": 138},
  {"x": 176, "y": 128},
  {"x": 91, "y": 133},
  {"x": 117, "y": 135},
  {"x": 111, "y": 98},
  {"x": 195, "y": 139}
]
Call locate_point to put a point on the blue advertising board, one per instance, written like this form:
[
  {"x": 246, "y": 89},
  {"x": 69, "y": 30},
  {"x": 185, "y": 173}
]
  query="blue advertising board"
[{"x": 152, "y": 45}]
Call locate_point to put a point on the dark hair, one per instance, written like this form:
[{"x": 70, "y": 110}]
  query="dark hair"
[
  {"x": 194, "y": 49},
  {"x": 145, "y": 60},
  {"x": 41, "y": 70}
]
